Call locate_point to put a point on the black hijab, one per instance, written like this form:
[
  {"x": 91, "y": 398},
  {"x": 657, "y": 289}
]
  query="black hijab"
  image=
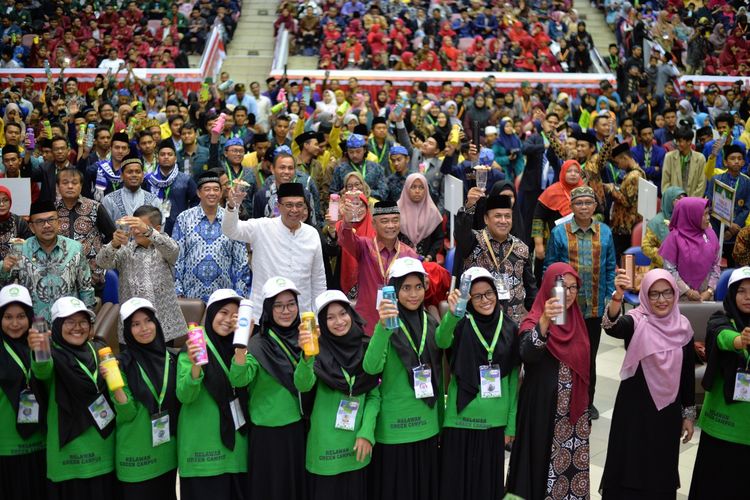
[
  {"x": 518, "y": 227},
  {"x": 150, "y": 357},
  {"x": 12, "y": 379},
  {"x": 216, "y": 381},
  {"x": 74, "y": 389},
  {"x": 344, "y": 352},
  {"x": 468, "y": 353},
  {"x": 414, "y": 323},
  {"x": 724, "y": 364}
]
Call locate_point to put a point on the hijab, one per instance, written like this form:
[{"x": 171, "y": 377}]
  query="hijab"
[
  {"x": 328, "y": 107},
  {"x": 216, "y": 381},
  {"x": 657, "y": 343},
  {"x": 568, "y": 343},
  {"x": 687, "y": 245},
  {"x": 557, "y": 196},
  {"x": 659, "y": 225},
  {"x": 413, "y": 323},
  {"x": 720, "y": 363},
  {"x": 150, "y": 358},
  {"x": 510, "y": 141},
  {"x": 349, "y": 263},
  {"x": 4, "y": 190},
  {"x": 12, "y": 378},
  {"x": 74, "y": 389},
  {"x": 343, "y": 353},
  {"x": 468, "y": 353},
  {"x": 418, "y": 220}
]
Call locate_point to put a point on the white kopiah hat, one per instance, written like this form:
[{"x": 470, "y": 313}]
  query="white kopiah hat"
[
  {"x": 276, "y": 285},
  {"x": 64, "y": 307},
  {"x": 223, "y": 294},
  {"x": 15, "y": 293},
  {"x": 131, "y": 306},
  {"x": 404, "y": 266},
  {"x": 329, "y": 296},
  {"x": 743, "y": 273},
  {"x": 478, "y": 272}
]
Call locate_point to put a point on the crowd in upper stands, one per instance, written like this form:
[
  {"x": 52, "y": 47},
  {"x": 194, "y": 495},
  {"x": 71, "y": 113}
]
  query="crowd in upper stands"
[{"x": 110, "y": 35}]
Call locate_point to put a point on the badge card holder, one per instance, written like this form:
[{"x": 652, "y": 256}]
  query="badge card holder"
[
  {"x": 423, "y": 382},
  {"x": 160, "y": 428},
  {"x": 237, "y": 416},
  {"x": 28, "y": 408},
  {"x": 102, "y": 412},
  {"x": 346, "y": 415},
  {"x": 489, "y": 378}
]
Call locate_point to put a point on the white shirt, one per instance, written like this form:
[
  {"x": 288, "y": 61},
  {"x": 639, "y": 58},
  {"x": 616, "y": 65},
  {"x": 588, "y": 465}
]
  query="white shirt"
[
  {"x": 113, "y": 64},
  {"x": 277, "y": 251},
  {"x": 264, "y": 111}
]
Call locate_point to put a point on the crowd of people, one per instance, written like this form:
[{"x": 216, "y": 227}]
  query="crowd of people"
[
  {"x": 327, "y": 198},
  {"x": 111, "y": 35}
]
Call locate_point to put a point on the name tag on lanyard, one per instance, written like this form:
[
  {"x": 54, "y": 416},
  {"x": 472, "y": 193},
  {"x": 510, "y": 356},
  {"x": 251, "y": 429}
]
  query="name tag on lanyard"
[{"x": 28, "y": 408}]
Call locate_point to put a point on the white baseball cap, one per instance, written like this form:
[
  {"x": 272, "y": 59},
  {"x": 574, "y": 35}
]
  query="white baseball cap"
[
  {"x": 329, "y": 296},
  {"x": 15, "y": 293},
  {"x": 478, "y": 272},
  {"x": 743, "y": 273},
  {"x": 132, "y": 305},
  {"x": 64, "y": 307},
  {"x": 404, "y": 266},
  {"x": 223, "y": 294},
  {"x": 489, "y": 130},
  {"x": 276, "y": 285}
]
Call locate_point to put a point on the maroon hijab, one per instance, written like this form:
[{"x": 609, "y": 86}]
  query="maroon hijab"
[{"x": 568, "y": 343}]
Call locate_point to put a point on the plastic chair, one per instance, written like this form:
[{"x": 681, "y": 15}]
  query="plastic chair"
[
  {"x": 111, "y": 287},
  {"x": 640, "y": 259},
  {"x": 637, "y": 237},
  {"x": 723, "y": 285}
]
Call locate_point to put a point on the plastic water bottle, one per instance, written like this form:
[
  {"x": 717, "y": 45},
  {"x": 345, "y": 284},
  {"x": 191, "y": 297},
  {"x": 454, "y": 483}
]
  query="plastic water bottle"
[
  {"x": 244, "y": 321},
  {"x": 31, "y": 138},
  {"x": 44, "y": 353},
  {"x": 195, "y": 336},
  {"x": 311, "y": 348},
  {"x": 218, "y": 127},
  {"x": 389, "y": 293},
  {"x": 559, "y": 293},
  {"x": 463, "y": 300},
  {"x": 90, "y": 135},
  {"x": 333, "y": 207},
  {"x": 47, "y": 128},
  {"x": 114, "y": 377}
]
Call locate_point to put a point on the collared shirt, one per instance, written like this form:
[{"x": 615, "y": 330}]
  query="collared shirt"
[
  {"x": 124, "y": 202},
  {"x": 374, "y": 177},
  {"x": 370, "y": 278},
  {"x": 208, "y": 259},
  {"x": 64, "y": 271},
  {"x": 196, "y": 163},
  {"x": 278, "y": 251}
]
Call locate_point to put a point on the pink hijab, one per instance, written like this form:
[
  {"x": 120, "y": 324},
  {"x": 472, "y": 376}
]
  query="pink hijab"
[
  {"x": 418, "y": 220},
  {"x": 657, "y": 343}
]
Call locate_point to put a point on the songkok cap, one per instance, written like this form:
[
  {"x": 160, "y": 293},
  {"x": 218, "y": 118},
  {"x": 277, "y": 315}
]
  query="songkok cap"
[
  {"x": 276, "y": 285},
  {"x": 223, "y": 294},
  {"x": 303, "y": 138},
  {"x": 585, "y": 136},
  {"x": 440, "y": 141},
  {"x": 406, "y": 265},
  {"x": 582, "y": 191},
  {"x": 17, "y": 293},
  {"x": 42, "y": 207},
  {"x": 499, "y": 201},
  {"x": 64, "y": 307},
  {"x": 132, "y": 305},
  {"x": 289, "y": 189},
  {"x": 167, "y": 144},
  {"x": 621, "y": 148},
  {"x": 208, "y": 176},
  {"x": 398, "y": 149},
  {"x": 131, "y": 159},
  {"x": 329, "y": 296},
  {"x": 121, "y": 137},
  {"x": 733, "y": 148},
  {"x": 378, "y": 120},
  {"x": 385, "y": 208},
  {"x": 743, "y": 273}
]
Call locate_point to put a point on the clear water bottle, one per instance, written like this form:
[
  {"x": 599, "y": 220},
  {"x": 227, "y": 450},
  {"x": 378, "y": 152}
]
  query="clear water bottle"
[
  {"x": 389, "y": 293},
  {"x": 44, "y": 352},
  {"x": 463, "y": 300},
  {"x": 559, "y": 292}
]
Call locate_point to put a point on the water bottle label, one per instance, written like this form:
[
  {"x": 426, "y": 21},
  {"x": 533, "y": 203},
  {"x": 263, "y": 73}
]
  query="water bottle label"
[
  {"x": 489, "y": 378},
  {"x": 102, "y": 412},
  {"x": 160, "y": 429},
  {"x": 244, "y": 322},
  {"x": 423, "y": 383},
  {"x": 346, "y": 416},
  {"x": 237, "y": 416},
  {"x": 28, "y": 408}
]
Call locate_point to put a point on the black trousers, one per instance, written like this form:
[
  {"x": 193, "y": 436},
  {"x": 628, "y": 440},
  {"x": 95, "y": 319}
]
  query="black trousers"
[{"x": 594, "y": 327}]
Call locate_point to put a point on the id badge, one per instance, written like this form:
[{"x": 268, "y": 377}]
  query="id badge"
[
  {"x": 379, "y": 298},
  {"x": 346, "y": 416},
  {"x": 102, "y": 412},
  {"x": 742, "y": 387},
  {"x": 28, "y": 408},
  {"x": 166, "y": 208},
  {"x": 160, "y": 429},
  {"x": 501, "y": 283},
  {"x": 489, "y": 381},
  {"x": 237, "y": 415},
  {"x": 423, "y": 382}
]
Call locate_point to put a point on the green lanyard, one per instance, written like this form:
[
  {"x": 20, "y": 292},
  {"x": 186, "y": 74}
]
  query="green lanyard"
[
  {"x": 424, "y": 335},
  {"x": 374, "y": 146},
  {"x": 289, "y": 355},
  {"x": 490, "y": 348},
  {"x": 647, "y": 157},
  {"x": 350, "y": 379},
  {"x": 160, "y": 398},
  {"x": 93, "y": 376},
  {"x": 685, "y": 161},
  {"x": 546, "y": 141},
  {"x": 216, "y": 355},
  {"x": 260, "y": 174},
  {"x": 20, "y": 364},
  {"x": 363, "y": 170},
  {"x": 230, "y": 170}
]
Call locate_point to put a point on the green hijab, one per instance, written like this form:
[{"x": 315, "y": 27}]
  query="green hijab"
[{"x": 660, "y": 223}]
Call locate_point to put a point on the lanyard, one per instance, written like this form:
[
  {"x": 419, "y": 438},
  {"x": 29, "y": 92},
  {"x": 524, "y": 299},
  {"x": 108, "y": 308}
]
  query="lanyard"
[
  {"x": 374, "y": 146},
  {"x": 18, "y": 361},
  {"x": 93, "y": 376},
  {"x": 424, "y": 336},
  {"x": 647, "y": 157},
  {"x": 350, "y": 379},
  {"x": 492, "y": 252},
  {"x": 685, "y": 161},
  {"x": 490, "y": 348},
  {"x": 160, "y": 398},
  {"x": 260, "y": 174},
  {"x": 362, "y": 170},
  {"x": 546, "y": 141},
  {"x": 384, "y": 272},
  {"x": 216, "y": 355},
  {"x": 230, "y": 171},
  {"x": 289, "y": 355}
]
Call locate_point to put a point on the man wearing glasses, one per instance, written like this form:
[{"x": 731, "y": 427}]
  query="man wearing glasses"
[
  {"x": 587, "y": 245},
  {"x": 282, "y": 246},
  {"x": 51, "y": 266}
]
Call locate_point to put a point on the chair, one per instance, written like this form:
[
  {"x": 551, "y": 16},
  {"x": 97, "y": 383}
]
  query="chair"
[
  {"x": 111, "y": 291},
  {"x": 105, "y": 326},
  {"x": 640, "y": 259},
  {"x": 192, "y": 309},
  {"x": 637, "y": 237},
  {"x": 723, "y": 285}
]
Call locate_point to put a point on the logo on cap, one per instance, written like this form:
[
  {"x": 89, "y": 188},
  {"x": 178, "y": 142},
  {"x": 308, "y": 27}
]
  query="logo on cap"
[
  {"x": 13, "y": 292},
  {"x": 281, "y": 282},
  {"x": 75, "y": 302}
]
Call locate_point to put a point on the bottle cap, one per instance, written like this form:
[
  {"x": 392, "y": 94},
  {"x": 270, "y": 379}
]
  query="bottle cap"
[{"x": 104, "y": 351}]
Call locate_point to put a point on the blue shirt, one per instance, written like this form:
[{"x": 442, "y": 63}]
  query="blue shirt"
[
  {"x": 741, "y": 184},
  {"x": 208, "y": 260},
  {"x": 247, "y": 100}
]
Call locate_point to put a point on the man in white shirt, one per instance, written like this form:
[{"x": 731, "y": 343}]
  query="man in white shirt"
[
  {"x": 264, "y": 107},
  {"x": 282, "y": 246},
  {"x": 112, "y": 62}
]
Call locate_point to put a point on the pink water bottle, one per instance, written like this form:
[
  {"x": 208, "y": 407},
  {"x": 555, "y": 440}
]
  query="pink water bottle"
[
  {"x": 196, "y": 337},
  {"x": 219, "y": 124},
  {"x": 333, "y": 207},
  {"x": 281, "y": 96}
]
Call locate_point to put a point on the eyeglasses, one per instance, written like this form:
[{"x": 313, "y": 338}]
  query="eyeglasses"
[
  {"x": 352, "y": 187},
  {"x": 291, "y": 306},
  {"x": 667, "y": 294},
  {"x": 489, "y": 295},
  {"x": 291, "y": 206},
  {"x": 236, "y": 151},
  {"x": 584, "y": 203},
  {"x": 571, "y": 289},
  {"x": 77, "y": 323},
  {"x": 45, "y": 222}
]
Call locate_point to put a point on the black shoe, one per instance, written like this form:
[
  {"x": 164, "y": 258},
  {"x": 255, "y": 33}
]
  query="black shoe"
[{"x": 593, "y": 413}]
